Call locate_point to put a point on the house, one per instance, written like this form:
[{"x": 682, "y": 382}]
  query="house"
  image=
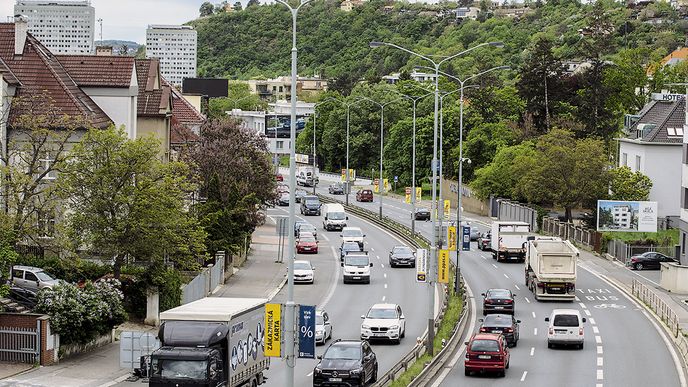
[
  {"x": 348, "y": 5},
  {"x": 415, "y": 75},
  {"x": 653, "y": 147},
  {"x": 280, "y": 88},
  {"x": 467, "y": 13},
  {"x": 154, "y": 105},
  {"x": 185, "y": 125}
]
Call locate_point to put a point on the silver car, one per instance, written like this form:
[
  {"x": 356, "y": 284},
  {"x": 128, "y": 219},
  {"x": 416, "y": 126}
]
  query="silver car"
[
  {"x": 31, "y": 278},
  {"x": 323, "y": 327}
]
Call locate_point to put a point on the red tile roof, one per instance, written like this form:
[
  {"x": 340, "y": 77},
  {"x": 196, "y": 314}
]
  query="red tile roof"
[
  {"x": 99, "y": 71},
  {"x": 41, "y": 74},
  {"x": 7, "y": 74},
  {"x": 183, "y": 111},
  {"x": 154, "y": 94}
]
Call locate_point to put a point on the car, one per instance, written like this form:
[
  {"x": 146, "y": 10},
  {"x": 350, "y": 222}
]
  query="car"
[
  {"x": 356, "y": 267},
  {"x": 304, "y": 271},
  {"x": 484, "y": 241},
  {"x": 308, "y": 228},
  {"x": 649, "y": 260},
  {"x": 421, "y": 214},
  {"x": 346, "y": 363},
  {"x": 565, "y": 328},
  {"x": 336, "y": 189},
  {"x": 384, "y": 321},
  {"x": 498, "y": 301},
  {"x": 486, "y": 352},
  {"x": 352, "y": 234},
  {"x": 364, "y": 195},
  {"x": 31, "y": 278},
  {"x": 298, "y": 224},
  {"x": 282, "y": 188},
  {"x": 504, "y": 324},
  {"x": 310, "y": 205},
  {"x": 475, "y": 233},
  {"x": 283, "y": 199},
  {"x": 279, "y": 177},
  {"x": 402, "y": 256},
  {"x": 299, "y": 195},
  {"x": 323, "y": 327},
  {"x": 346, "y": 247},
  {"x": 306, "y": 244}
]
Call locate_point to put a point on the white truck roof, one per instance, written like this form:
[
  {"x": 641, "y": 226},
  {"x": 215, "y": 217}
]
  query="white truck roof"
[
  {"x": 212, "y": 309},
  {"x": 334, "y": 207}
]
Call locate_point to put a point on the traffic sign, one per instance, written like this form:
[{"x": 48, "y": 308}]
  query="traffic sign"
[
  {"x": 421, "y": 265},
  {"x": 273, "y": 330},
  {"x": 396, "y": 179},
  {"x": 282, "y": 225},
  {"x": 465, "y": 238},
  {"x": 307, "y": 331},
  {"x": 443, "y": 267}
]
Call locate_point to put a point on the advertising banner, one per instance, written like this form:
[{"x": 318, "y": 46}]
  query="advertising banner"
[
  {"x": 451, "y": 237},
  {"x": 407, "y": 198},
  {"x": 447, "y": 209},
  {"x": 465, "y": 238},
  {"x": 307, "y": 331},
  {"x": 421, "y": 265},
  {"x": 273, "y": 330},
  {"x": 419, "y": 194},
  {"x": 629, "y": 216},
  {"x": 385, "y": 184},
  {"x": 443, "y": 267},
  {"x": 376, "y": 185}
]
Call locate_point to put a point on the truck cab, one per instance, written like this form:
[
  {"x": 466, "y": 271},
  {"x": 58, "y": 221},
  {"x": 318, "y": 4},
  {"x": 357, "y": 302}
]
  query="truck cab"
[
  {"x": 187, "y": 366},
  {"x": 509, "y": 239}
]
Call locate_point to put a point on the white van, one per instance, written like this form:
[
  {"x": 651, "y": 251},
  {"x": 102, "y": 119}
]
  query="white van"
[
  {"x": 566, "y": 328},
  {"x": 334, "y": 216},
  {"x": 353, "y": 234},
  {"x": 357, "y": 266}
]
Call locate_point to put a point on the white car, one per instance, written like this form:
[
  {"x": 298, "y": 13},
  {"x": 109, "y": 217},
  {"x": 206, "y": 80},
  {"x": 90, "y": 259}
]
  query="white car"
[
  {"x": 384, "y": 321},
  {"x": 566, "y": 328},
  {"x": 353, "y": 234},
  {"x": 303, "y": 272},
  {"x": 323, "y": 327}
]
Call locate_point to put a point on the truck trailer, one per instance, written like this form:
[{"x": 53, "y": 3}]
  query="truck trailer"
[
  {"x": 211, "y": 342},
  {"x": 509, "y": 239},
  {"x": 550, "y": 269}
]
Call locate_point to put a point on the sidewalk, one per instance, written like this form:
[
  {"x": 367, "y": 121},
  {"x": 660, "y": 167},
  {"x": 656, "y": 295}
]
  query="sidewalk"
[{"x": 259, "y": 277}]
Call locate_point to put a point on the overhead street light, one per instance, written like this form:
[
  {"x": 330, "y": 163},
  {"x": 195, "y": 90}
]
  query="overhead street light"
[{"x": 432, "y": 273}]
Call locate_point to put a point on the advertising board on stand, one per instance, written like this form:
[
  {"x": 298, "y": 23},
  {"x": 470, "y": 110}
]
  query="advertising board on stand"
[{"x": 628, "y": 216}]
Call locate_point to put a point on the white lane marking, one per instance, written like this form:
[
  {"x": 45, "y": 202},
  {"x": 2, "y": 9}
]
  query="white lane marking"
[
  {"x": 598, "y": 339},
  {"x": 495, "y": 266},
  {"x": 372, "y": 249},
  {"x": 587, "y": 312},
  {"x": 377, "y": 256},
  {"x": 600, "y": 374},
  {"x": 118, "y": 380},
  {"x": 600, "y": 362},
  {"x": 527, "y": 300},
  {"x": 382, "y": 265},
  {"x": 595, "y": 330},
  {"x": 310, "y": 374},
  {"x": 517, "y": 288},
  {"x": 506, "y": 275},
  {"x": 599, "y": 385},
  {"x": 600, "y": 350},
  {"x": 532, "y": 351},
  {"x": 534, "y": 331},
  {"x": 534, "y": 315},
  {"x": 333, "y": 285},
  {"x": 524, "y": 375},
  {"x": 592, "y": 321},
  {"x": 384, "y": 298},
  {"x": 385, "y": 286},
  {"x": 484, "y": 258},
  {"x": 384, "y": 275},
  {"x": 582, "y": 305},
  {"x": 326, "y": 238}
]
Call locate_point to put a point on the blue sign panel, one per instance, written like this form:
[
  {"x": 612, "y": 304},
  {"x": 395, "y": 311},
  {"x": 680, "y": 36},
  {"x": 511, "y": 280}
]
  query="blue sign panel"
[
  {"x": 307, "y": 331},
  {"x": 465, "y": 238}
]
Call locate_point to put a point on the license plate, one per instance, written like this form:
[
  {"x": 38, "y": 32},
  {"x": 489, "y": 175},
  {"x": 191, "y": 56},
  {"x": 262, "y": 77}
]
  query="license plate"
[
  {"x": 499, "y": 307},
  {"x": 357, "y": 277},
  {"x": 496, "y": 331},
  {"x": 378, "y": 334},
  {"x": 335, "y": 379},
  {"x": 484, "y": 357}
]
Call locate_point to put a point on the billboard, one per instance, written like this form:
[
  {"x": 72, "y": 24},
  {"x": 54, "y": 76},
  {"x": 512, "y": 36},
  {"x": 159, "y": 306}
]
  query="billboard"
[
  {"x": 421, "y": 265},
  {"x": 307, "y": 331},
  {"x": 628, "y": 216},
  {"x": 212, "y": 87}
]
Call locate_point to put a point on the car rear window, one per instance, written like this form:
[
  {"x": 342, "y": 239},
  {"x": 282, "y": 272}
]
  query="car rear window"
[
  {"x": 495, "y": 320},
  {"x": 367, "y": 191},
  {"x": 499, "y": 293},
  {"x": 485, "y": 346},
  {"x": 566, "y": 320}
]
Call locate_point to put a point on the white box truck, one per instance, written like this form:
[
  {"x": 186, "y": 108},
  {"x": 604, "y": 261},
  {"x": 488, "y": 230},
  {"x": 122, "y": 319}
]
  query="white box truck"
[
  {"x": 334, "y": 216},
  {"x": 551, "y": 269},
  {"x": 211, "y": 342},
  {"x": 509, "y": 239}
]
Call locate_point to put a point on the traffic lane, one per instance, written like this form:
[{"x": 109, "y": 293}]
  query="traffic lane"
[{"x": 632, "y": 351}]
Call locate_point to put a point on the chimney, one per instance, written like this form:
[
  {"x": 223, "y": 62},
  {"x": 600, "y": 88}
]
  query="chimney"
[{"x": 21, "y": 28}]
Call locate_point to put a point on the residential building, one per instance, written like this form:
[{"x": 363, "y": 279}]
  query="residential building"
[
  {"x": 185, "y": 128},
  {"x": 284, "y": 107},
  {"x": 622, "y": 216},
  {"x": 64, "y": 27},
  {"x": 349, "y": 5},
  {"x": 154, "y": 105},
  {"x": 414, "y": 75},
  {"x": 176, "y": 49},
  {"x": 653, "y": 147},
  {"x": 513, "y": 12},
  {"x": 677, "y": 56},
  {"x": 467, "y": 13},
  {"x": 280, "y": 88}
]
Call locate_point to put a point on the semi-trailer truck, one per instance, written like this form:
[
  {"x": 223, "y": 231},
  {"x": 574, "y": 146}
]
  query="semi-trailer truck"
[
  {"x": 211, "y": 342},
  {"x": 550, "y": 269}
]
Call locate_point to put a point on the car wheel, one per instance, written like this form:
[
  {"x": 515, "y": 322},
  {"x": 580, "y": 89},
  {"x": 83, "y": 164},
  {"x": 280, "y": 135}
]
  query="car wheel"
[
  {"x": 403, "y": 333},
  {"x": 467, "y": 372},
  {"x": 502, "y": 373},
  {"x": 373, "y": 379},
  {"x": 391, "y": 264},
  {"x": 515, "y": 343},
  {"x": 507, "y": 365},
  {"x": 580, "y": 346},
  {"x": 638, "y": 266},
  {"x": 550, "y": 345}
]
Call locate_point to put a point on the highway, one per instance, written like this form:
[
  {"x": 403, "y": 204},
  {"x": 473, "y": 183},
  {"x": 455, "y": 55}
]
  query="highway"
[{"x": 622, "y": 346}]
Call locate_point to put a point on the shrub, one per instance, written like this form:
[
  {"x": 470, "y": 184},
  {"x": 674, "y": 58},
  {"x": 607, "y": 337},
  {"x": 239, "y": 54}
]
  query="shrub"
[{"x": 70, "y": 270}]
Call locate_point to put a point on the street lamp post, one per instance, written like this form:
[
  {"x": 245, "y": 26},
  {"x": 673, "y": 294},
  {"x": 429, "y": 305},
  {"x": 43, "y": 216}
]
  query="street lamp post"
[
  {"x": 433, "y": 210},
  {"x": 290, "y": 306}
]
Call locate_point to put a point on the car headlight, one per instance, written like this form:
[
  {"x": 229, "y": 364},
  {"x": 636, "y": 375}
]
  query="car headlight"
[
  {"x": 357, "y": 371},
  {"x": 394, "y": 327},
  {"x": 364, "y": 326},
  {"x": 319, "y": 331},
  {"x": 317, "y": 370}
]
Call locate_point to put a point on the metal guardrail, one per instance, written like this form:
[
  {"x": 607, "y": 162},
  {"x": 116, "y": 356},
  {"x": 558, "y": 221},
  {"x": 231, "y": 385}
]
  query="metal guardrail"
[
  {"x": 417, "y": 241},
  {"x": 663, "y": 311}
]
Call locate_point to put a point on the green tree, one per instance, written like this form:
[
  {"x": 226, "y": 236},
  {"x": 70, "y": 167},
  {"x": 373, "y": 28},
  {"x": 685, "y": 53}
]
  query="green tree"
[
  {"x": 481, "y": 146},
  {"x": 501, "y": 178},
  {"x": 240, "y": 97},
  {"x": 141, "y": 52},
  {"x": 628, "y": 185},
  {"x": 126, "y": 203},
  {"x": 206, "y": 9},
  {"x": 237, "y": 6},
  {"x": 252, "y": 3}
]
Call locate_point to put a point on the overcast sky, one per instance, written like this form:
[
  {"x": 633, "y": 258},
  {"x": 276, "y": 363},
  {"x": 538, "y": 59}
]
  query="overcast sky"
[{"x": 127, "y": 19}]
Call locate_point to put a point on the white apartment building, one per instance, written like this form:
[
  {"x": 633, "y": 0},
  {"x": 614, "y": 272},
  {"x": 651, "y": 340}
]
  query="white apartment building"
[
  {"x": 175, "y": 47},
  {"x": 64, "y": 27},
  {"x": 622, "y": 216}
]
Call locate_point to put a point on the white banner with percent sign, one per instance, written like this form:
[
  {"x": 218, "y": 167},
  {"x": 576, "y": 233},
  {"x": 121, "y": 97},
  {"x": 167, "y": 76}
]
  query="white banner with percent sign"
[{"x": 307, "y": 331}]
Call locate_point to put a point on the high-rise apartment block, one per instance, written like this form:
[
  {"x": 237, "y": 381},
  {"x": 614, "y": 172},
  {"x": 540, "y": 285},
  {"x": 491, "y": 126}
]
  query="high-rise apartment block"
[
  {"x": 175, "y": 47},
  {"x": 64, "y": 27}
]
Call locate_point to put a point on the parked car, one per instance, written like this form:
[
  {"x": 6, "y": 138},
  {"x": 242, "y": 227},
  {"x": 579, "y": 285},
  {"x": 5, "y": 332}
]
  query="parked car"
[
  {"x": 308, "y": 228},
  {"x": 484, "y": 241},
  {"x": 498, "y": 301},
  {"x": 279, "y": 177},
  {"x": 384, "y": 321},
  {"x": 353, "y": 234},
  {"x": 486, "y": 352},
  {"x": 31, "y": 278},
  {"x": 346, "y": 363},
  {"x": 649, "y": 260},
  {"x": 347, "y": 247},
  {"x": 402, "y": 255},
  {"x": 336, "y": 189},
  {"x": 299, "y": 194},
  {"x": 422, "y": 214},
  {"x": 565, "y": 328},
  {"x": 364, "y": 195},
  {"x": 504, "y": 324},
  {"x": 304, "y": 271},
  {"x": 306, "y": 244},
  {"x": 323, "y": 327},
  {"x": 283, "y": 199}
]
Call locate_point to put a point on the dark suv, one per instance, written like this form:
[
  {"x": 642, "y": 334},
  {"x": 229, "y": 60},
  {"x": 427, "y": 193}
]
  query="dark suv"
[
  {"x": 310, "y": 205},
  {"x": 346, "y": 363}
]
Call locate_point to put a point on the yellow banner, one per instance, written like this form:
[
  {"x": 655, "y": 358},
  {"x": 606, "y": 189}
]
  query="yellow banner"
[
  {"x": 451, "y": 237},
  {"x": 352, "y": 174},
  {"x": 385, "y": 184},
  {"x": 376, "y": 185},
  {"x": 443, "y": 267},
  {"x": 419, "y": 194},
  {"x": 273, "y": 330},
  {"x": 408, "y": 195},
  {"x": 447, "y": 209},
  {"x": 344, "y": 174}
]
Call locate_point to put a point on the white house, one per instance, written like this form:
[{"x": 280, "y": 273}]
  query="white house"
[{"x": 622, "y": 216}]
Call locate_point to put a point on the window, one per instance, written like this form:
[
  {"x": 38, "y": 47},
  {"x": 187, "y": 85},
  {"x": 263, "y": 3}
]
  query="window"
[
  {"x": 637, "y": 163},
  {"x": 30, "y": 276},
  {"x": 683, "y": 243},
  {"x": 624, "y": 159},
  {"x": 46, "y": 225},
  {"x": 279, "y": 145}
]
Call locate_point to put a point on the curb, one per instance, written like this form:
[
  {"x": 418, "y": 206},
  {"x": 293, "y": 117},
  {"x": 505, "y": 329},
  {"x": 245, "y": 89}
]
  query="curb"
[{"x": 279, "y": 287}]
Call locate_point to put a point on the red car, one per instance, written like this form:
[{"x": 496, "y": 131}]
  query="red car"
[
  {"x": 364, "y": 195},
  {"x": 279, "y": 177},
  {"x": 487, "y": 352},
  {"x": 306, "y": 244}
]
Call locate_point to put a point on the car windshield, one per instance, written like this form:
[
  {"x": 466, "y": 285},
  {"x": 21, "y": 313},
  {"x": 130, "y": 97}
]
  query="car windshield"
[
  {"x": 174, "y": 369},
  {"x": 499, "y": 293},
  {"x": 306, "y": 227},
  {"x": 565, "y": 320},
  {"x": 336, "y": 215},
  {"x": 43, "y": 276},
  {"x": 352, "y": 233},
  {"x": 356, "y": 260},
  {"x": 485, "y": 346},
  {"x": 379, "y": 313},
  {"x": 351, "y": 246},
  {"x": 402, "y": 250},
  {"x": 302, "y": 266},
  {"x": 312, "y": 201},
  {"x": 495, "y": 320},
  {"x": 319, "y": 320},
  {"x": 343, "y": 352}
]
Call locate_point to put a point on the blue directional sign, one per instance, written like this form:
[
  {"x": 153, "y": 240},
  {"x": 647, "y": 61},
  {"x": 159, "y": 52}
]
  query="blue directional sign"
[
  {"x": 307, "y": 331},
  {"x": 465, "y": 238}
]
